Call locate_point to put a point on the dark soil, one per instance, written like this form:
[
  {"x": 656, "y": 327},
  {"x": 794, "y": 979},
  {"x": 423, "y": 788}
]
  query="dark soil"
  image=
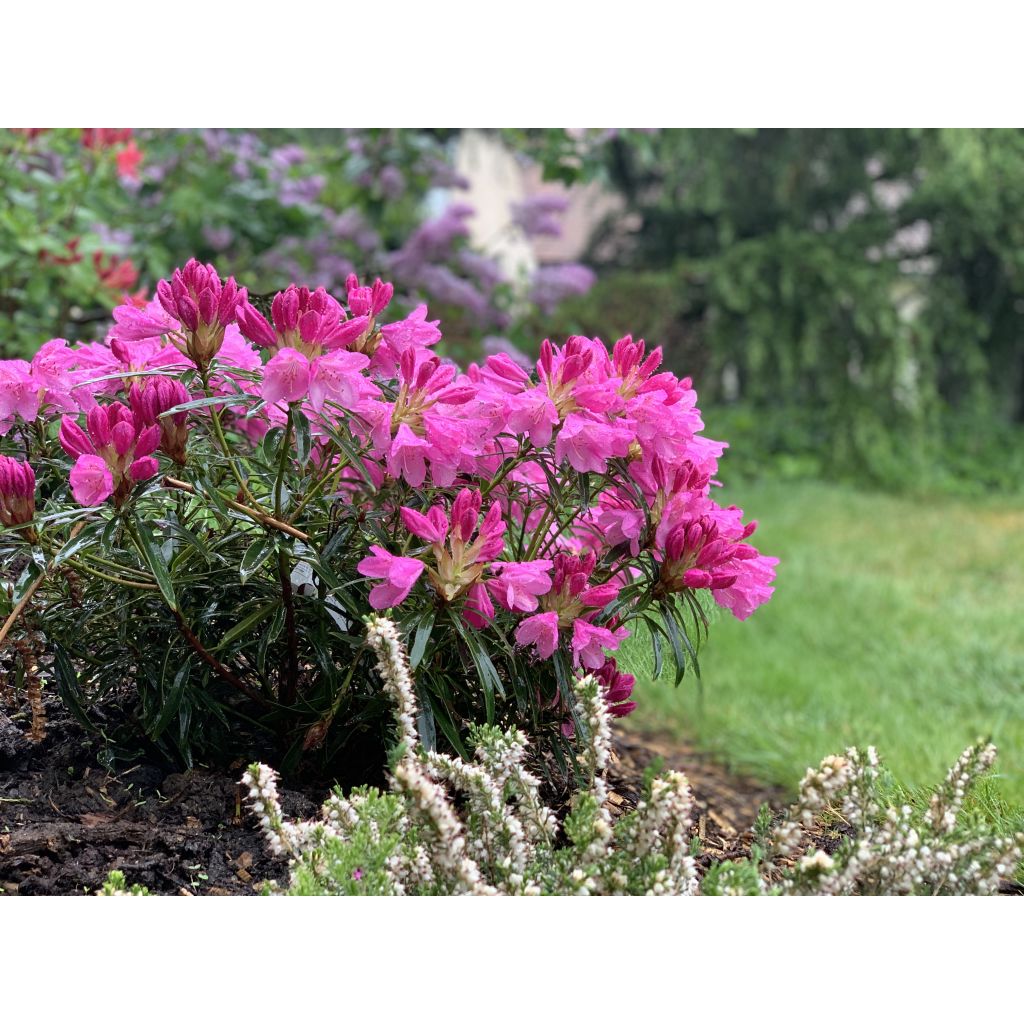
[
  {"x": 66, "y": 822},
  {"x": 726, "y": 804}
]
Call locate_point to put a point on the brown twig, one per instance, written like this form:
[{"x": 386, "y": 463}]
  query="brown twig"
[
  {"x": 263, "y": 518},
  {"x": 219, "y": 667},
  {"x": 32, "y": 588},
  {"x": 20, "y": 607},
  {"x": 26, "y": 647}
]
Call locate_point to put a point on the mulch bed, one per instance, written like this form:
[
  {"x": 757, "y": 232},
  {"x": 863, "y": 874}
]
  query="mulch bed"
[
  {"x": 726, "y": 804},
  {"x": 66, "y": 821}
]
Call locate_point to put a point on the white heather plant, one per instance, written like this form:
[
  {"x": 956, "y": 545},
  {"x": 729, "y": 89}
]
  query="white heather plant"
[
  {"x": 451, "y": 826},
  {"x": 501, "y": 839},
  {"x": 894, "y": 851}
]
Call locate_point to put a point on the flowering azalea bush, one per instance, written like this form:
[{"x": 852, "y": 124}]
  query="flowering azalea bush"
[{"x": 202, "y": 508}]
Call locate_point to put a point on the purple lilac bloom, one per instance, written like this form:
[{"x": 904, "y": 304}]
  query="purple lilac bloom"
[
  {"x": 391, "y": 181},
  {"x": 218, "y": 238},
  {"x": 485, "y": 269},
  {"x": 557, "y": 281},
  {"x": 442, "y": 284},
  {"x": 540, "y": 214},
  {"x": 301, "y": 191}
]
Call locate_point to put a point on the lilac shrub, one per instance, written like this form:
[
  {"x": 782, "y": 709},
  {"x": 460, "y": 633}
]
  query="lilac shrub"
[{"x": 282, "y": 205}]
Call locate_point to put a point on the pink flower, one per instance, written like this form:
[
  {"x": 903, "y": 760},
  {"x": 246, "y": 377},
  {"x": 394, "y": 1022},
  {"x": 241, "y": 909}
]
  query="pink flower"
[
  {"x": 143, "y": 468},
  {"x": 707, "y": 551},
  {"x": 588, "y": 443},
  {"x": 337, "y": 377},
  {"x": 367, "y": 301},
  {"x": 617, "y": 687},
  {"x": 203, "y": 305},
  {"x": 519, "y": 584},
  {"x": 502, "y": 373},
  {"x": 407, "y": 457},
  {"x": 415, "y": 332},
  {"x": 286, "y": 377},
  {"x": 541, "y": 631},
  {"x": 134, "y": 324},
  {"x": 398, "y": 573},
  {"x": 617, "y": 520},
  {"x": 466, "y": 513},
  {"x": 117, "y": 438},
  {"x": 478, "y": 610},
  {"x": 432, "y": 527},
  {"x": 309, "y": 321},
  {"x": 19, "y": 393},
  {"x": 532, "y": 412},
  {"x": 91, "y": 480},
  {"x": 751, "y": 588},
  {"x": 17, "y": 492},
  {"x": 599, "y": 596},
  {"x": 150, "y": 400},
  {"x": 123, "y": 357},
  {"x": 53, "y": 370},
  {"x": 589, "y": 642}
]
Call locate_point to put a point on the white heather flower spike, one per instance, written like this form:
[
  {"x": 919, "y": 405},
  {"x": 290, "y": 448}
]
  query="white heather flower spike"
[
  {"x": 948, "y": 800},
  {"x": 593, "y": 711},
  {"x": 393, "y": 666},
  {"x": 447, "y": 842}
]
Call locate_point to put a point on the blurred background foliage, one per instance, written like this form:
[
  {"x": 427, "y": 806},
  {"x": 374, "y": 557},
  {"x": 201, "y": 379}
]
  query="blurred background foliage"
[{"x": 849, "y": 301}]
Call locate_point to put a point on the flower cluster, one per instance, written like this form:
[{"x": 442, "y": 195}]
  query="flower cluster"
[
  {"x": 520, "y": 520},
  {"x": 893, "y": 850}
]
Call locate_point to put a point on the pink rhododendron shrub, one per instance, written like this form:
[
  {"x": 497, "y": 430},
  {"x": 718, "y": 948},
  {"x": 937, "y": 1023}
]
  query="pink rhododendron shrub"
[{"x": 201, "y": 508}]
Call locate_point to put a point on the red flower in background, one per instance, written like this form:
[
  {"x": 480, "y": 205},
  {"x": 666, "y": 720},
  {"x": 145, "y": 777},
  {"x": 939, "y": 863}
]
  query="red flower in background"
[
  {"x": 70, "y": 255},
  {"x": 103, "y": 138},
  {"x": 128, "y": 160},
  {"x": 116, "y": 274}
]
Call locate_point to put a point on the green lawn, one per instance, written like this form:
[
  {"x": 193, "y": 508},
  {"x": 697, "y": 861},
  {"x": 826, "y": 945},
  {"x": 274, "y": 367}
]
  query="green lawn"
[{"x": 897, "y": 622}]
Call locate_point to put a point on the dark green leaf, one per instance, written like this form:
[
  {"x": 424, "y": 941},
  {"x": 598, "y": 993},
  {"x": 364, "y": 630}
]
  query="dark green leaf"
[
  {"x": 202, "y": 403},
  {"x": 419, "y": 643},
  {"x": 150, "y": 551},
  {"x": 444, "y": 720},
  {"x": 303, "y": 440},
  {"x": 247, "y": 624},
  {"x": 171, "y": 701},
  {"x": 255, "y": 556},
  {"x": 67, "y": 684},
  {"x": 425, "y": 726}
]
